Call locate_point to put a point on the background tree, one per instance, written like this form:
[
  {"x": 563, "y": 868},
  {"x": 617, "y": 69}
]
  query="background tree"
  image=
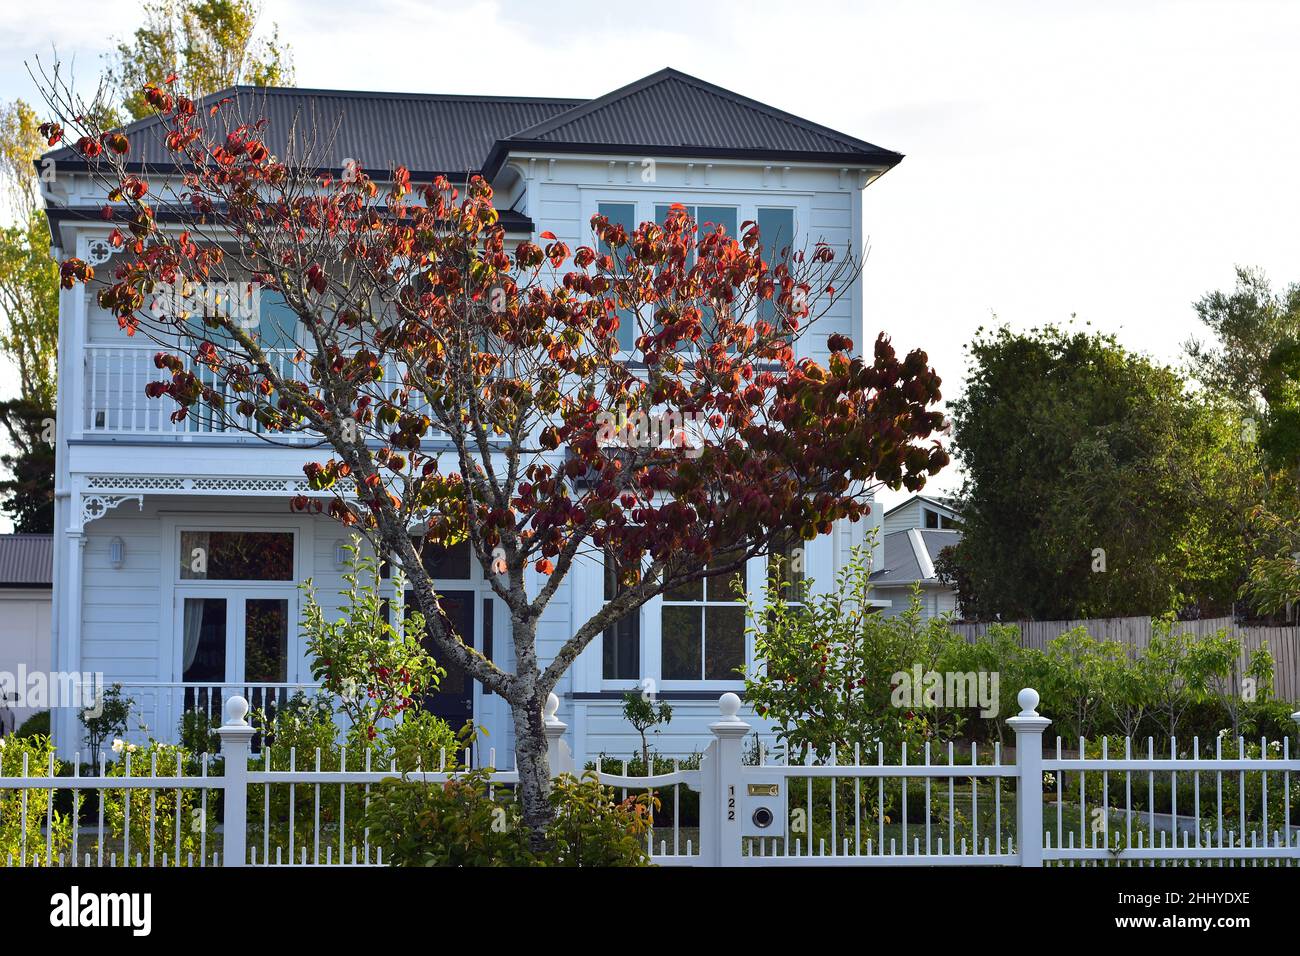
[
  {"x": 213, "y": 44},
  {"x": 208, "y": 44},
  {"x": 30, "y": 336},
  {"x": 1095, "y": 483},
  {"x": 466, "y": 392},
  {"x": 1245, "y": 326},
  {"x": 1252, "y": 359}
]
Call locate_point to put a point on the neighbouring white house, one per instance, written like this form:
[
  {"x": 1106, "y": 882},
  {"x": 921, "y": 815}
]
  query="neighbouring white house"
[
  {"x": 26, "y": 576},
  {"x": 914, "y": 532},
  {"x": 135, "y": 491}
]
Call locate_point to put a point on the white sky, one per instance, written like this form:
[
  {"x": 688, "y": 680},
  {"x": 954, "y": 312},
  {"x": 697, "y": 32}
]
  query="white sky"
[{"x": 1110, "y": 159}]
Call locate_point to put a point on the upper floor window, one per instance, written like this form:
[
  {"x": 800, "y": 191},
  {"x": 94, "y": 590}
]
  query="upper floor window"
[
  {"x": 707, "y": 218},
  {"x": 277, "y": 325},
  {"x": 936, "y": 519}
]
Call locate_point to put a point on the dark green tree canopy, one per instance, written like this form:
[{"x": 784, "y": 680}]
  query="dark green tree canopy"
[{"x": 1095, "y": 484}]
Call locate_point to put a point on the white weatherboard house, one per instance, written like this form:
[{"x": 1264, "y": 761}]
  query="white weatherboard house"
[
  {"x": 913, "y": 535},
  {"x": 136, "y": 491}
]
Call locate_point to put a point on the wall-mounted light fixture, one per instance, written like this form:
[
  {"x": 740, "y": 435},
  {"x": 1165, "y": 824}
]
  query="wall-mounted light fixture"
[
  {"x": 341, "y": 554},
  {"x": 116, "y": 552}
]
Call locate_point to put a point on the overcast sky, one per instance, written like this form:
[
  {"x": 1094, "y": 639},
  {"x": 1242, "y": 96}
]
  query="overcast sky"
[{"x": 1108, "y": 159}]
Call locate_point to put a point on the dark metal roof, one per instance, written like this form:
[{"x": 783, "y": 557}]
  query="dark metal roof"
[
  {"x": 426, "y": 133},
  {"x": 513, "y": 220},
  {"x": 671, "y": 111},
  {"x": 666, "y": 113},
  {"x": 900, "y": 564},
  {"x": 26, "y": 560}
]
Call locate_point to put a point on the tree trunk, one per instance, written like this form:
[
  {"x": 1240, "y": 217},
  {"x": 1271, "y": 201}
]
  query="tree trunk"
[{"x": 534, "y": 769}]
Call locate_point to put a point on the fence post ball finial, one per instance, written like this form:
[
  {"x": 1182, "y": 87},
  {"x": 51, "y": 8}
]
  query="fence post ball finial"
[
  {"x": 729, "y": 706},
  {"x": 236, "y": 710},
  {"x": 1028, "y": 700},
  {"x": 551, "y": 708}
]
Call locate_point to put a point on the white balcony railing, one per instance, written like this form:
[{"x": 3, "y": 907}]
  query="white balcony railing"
[{"x": 115, "y": 404}]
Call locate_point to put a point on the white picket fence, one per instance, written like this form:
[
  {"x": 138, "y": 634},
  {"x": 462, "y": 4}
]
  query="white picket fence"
[{"x": 947, "y": 808}]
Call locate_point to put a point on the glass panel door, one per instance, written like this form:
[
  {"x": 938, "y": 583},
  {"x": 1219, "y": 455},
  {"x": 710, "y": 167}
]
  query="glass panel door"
[
  {"x": 230, "y": 644},
  {"x": 266, "y": 640}
]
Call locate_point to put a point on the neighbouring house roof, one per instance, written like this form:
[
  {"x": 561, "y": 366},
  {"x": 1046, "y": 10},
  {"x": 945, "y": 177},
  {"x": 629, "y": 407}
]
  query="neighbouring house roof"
[
  {"x": 909, "y": 556},
  {"x": 26, "y": 560},
  {"x": 667, "y": 112}
]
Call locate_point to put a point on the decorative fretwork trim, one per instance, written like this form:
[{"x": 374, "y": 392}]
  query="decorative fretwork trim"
[
  {"x": 96, "y": 506},
  {"x": 177, "y": 484}
]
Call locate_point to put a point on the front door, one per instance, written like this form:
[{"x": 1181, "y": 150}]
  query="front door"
[
  {"x": 235, "y": 643},
  {"x": 454, "y": 699}
]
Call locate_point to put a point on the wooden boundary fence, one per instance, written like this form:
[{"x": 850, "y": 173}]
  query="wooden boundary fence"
[{"x": 1135, "y": 633}]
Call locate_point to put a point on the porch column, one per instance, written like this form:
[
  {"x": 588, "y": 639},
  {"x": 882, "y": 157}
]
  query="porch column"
[{"x": 66, "y": 728}]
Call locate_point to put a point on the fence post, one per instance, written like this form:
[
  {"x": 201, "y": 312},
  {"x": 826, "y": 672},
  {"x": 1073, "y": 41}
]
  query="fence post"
[
  {"x": 558, "y": 755},
  {"x": 720, "y": 823},
  {"x": 1029, "y": 726},
  {"x": 236, "y": 741}
]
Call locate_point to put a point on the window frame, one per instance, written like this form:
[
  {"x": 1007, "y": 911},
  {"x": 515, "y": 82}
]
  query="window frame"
[{"x": 745, "y": 201}]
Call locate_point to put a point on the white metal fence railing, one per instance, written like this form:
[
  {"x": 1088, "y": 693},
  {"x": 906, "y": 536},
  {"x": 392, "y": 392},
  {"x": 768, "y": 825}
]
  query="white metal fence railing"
[
  {"x": 944, "y": 806},
  {"x": 115, "y": 377}
]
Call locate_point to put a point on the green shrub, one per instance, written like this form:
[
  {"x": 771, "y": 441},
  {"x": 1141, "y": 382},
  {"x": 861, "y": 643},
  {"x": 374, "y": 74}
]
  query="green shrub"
[
  {"x": 34, "y": 726},
  {"x": 198, "y": 732},
  {"x": 17, "y": 833},
  {"x": 468, "y": 821},
  {"x": 592, "y": 828},
  {"x": 462, "y": 822},
  {"x": 114, "y": 711}
]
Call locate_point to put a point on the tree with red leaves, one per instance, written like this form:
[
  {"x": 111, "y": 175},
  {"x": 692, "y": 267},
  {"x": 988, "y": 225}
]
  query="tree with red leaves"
[{"x": 464, "y": 390}]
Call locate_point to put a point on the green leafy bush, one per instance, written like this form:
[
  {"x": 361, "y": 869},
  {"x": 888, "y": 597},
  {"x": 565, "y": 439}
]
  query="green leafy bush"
[
  {"x": 23, "y": 813},
  {"x": 36, "y": 725},
  {"x": 467, "y": 821}
]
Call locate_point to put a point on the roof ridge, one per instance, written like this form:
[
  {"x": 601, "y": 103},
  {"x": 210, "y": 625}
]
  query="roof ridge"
[
  {"x": 590, "y": 106},
  {"x": 394, "y": 94},
  {"x": 669, "y": 73}
]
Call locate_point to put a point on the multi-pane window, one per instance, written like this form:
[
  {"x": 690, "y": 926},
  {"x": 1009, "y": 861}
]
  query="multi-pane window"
[
  {"x": 934, "y": 519},
  {"x": 621, "y": 214},
  {"x": 622, "y": 639},
  {"x": 703, "y": 627},
  {"x": 706, "y": 219}
]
